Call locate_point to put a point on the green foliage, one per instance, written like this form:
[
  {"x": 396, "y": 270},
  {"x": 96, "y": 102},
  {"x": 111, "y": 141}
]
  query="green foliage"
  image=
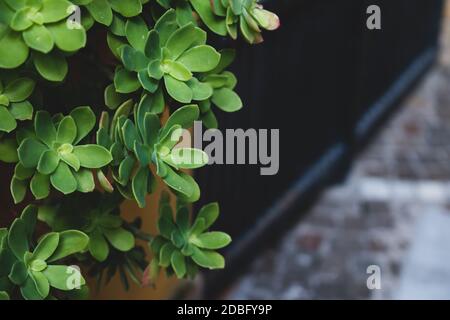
[
  {"x": 51, "y": 156},
  {"x": 40, "y": 26},
  {"x": 34, "y": 272},
  {"x": 182, "y": 247},
  {"x": 158, "y": 77},
  {"x": 135, "y": 145},
  {"x": 13, "y": 102},
  {"x": 229, "y": 16}
]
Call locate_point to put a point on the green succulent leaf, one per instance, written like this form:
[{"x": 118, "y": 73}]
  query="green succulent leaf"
[
  {"x": 98, "y": 247},
  {"x": 166, "y": 26},
  {"x": 85, "y": 120},
  {"x": 67, "y": 38},
  {"x": 63, "y": 180},
  {"x": 120, "y": 238},
  {"x": 39, "y": 38},
  {"x": 92, "y": 156},
  {"x": 29, "y": 290},
  {"x": 152, "y": 47},
  {"x": 70, "y": 242},
  {"x": 211, "y": 240},
  {"x": 201, "y": 91},
  {"x": 29, "y": 216},
  {"x": 67, "y": 131},
  {"x": 8, "y": 150},
  {"x": 21, "y": 110},
  {"x": 60, "y": 277},
  {"x": 55, "y": 10},
  {"x": 214, "y": 22},
  {"x": 4, "y": 296},
  {"x": 20, "y": 20},
  {"x": 20, "y": 89},
  {"x": 101, "y": 11},
  {"x": 41, "y": 283},
  {"x": 51, "y": 66},
  {"x": 17, "y": 239},
  {"x": 208, "y": 259},
  {"x": 188, "y": 158},
  {"x": 48, "y": 162},
  {"x": 178, "y": 89},
  {"x": 128, "y": 9},
  {"x": 182, "y": 39},
  {"x": 44, "y": 127},
  {"x": 7, "y": 121},
  {"x": 19, "y": 273},
  {"x": 209, "y": 213},
  {"x": 85, "y": 180},
  {"x": 140, "y": 185},
  {"x": 30, "y": 151},
  {"x": 10, "y": 59},
  {"x": 18, "y": 189},
  {"x": 46, "y": 246},
  {"x": 227, "y": 100},
  {"x": 176, "y": 70},
  {"x": 40, "y": 186},
  {"x": 136, "y": 32},
  {"x": 201, "y": 58},
  {"x": 125, "y": 81},
  {"x": 178, "y": 264},
  {"x": 165, "y": 254},
  {"x": 184, "y": 117}
]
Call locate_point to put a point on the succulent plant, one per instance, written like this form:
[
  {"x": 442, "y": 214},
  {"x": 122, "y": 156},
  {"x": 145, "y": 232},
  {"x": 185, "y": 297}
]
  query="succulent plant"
[
  {"x": 40, "y": 25},
  {"x": 13, "y": 102},
  {"x": 167, "y": 53},
  {"x": 136, "y": 145},
  {"x": 182, "y": 247},
  {"x": 52, "y": 156},
  {"x": 222, "y": 84},
  {"x": 228, "y": 16},
  {"x": 161, "y": 77},
  {"x": 95, "y": 214},
  {"x": 103, "y": 11},
  {"x": 35, "y": 272}
]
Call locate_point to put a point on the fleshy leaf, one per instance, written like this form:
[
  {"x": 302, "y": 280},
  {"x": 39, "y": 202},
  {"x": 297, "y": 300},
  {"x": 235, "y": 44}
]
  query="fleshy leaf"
[
  {"x": 30, "y": 151},
  {"x": 98, "y": 247},
  {"x": 48, "y": 162},
  {"x": 51, "y": 66},
  {"x": 211, "y": 240},
  {"x": 200, "y": 58},
  {"x": 63, "y": 180},
  {"x": 120, "y": 238},
  {"x": 7, "y": 121},
  {"x": 59, "y": 277},
  {"x": 17, "y": 238},
  {"x": 46, "y": 246},
  {"x": 70, "y": 242},
  {"x": 85, "y": 180},
  {"x": 85, "y": 120},
  {"x": 208, "y": 259},
  {"x": 40, "y": 186},
  {"x": 92, "y": 156}
]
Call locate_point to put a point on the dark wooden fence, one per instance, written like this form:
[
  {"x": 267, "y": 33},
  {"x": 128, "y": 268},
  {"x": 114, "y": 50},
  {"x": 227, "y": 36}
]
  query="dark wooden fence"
[{"x": 327, "y": 82}]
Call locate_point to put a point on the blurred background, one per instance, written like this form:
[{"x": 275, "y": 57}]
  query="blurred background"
[{"x": 364, "y": 180}]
